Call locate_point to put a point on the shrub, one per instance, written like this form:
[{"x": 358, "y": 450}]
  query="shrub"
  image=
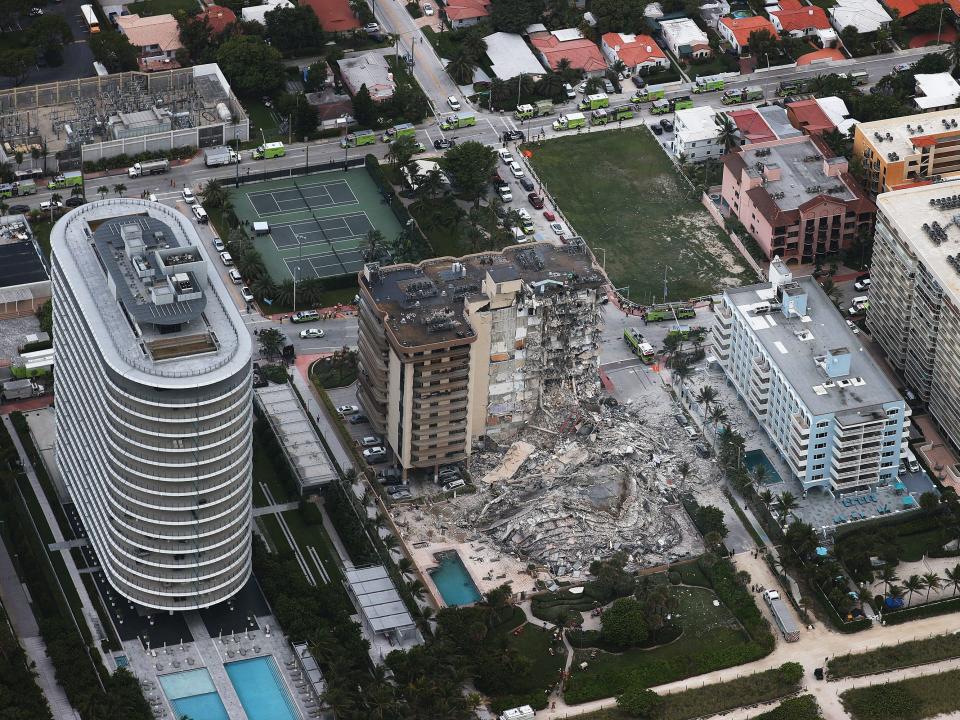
[
  {"x": 123, "y": 161},
  {"x": 674, "y": 577},
  {"x": 623, "y": 623}
]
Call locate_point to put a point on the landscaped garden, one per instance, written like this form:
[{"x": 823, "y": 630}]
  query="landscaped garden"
[
  {"x": 913, "y": 699},
  {"x": 336, "y": 370},
  {"x": 621, "y": 192}
]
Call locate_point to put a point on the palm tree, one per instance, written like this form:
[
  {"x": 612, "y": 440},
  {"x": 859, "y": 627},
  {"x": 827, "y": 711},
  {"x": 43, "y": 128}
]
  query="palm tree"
[
  {"x": 374, "y": 245},
  {"x": 718, "y": 416},
  {"x": 461, "y": 67},
  {"x": 680, "y": 371},
  {"x": 567, "y": 72},
  {"x": 933, "y": 582},
  {"x": 213, "y": 194},
  {"x": 416, "y": 588},
  {"x": 786, "y": 503},
  {"x": 619, "y": 67},
  {"x": 727, "y": 133},
  {"x": 758, "y": 475},
  {"x": 683, "y": 469},
  {"x": 551, "y": 86},
  {"x": 404, "y": 565},
  {"x": 474, "y": 44},
  {"x": 3, "y": 207},
  {"x": 766, "y": 496},
  {"x": 889, "y": 576},
  {"x": 882, "y": 39},
  {"x": 705, "y": 396},
  {"x": 594, "y": 84},
  {"x": 430, "y": 185},
  {"x": 103, "y": 190},
  {"x": 953, "y": 578},
  {"x": 952, "y": 53},
  {"x": 120, "y": 189},
  {"x": 912, "y": 585}
]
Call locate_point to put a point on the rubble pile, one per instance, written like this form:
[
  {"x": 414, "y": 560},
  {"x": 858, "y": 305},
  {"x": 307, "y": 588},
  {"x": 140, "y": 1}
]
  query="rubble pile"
[{"x": 583, "y": 481}]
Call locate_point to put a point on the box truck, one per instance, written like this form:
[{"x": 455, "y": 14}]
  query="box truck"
[{"x": 220, "y": 155}]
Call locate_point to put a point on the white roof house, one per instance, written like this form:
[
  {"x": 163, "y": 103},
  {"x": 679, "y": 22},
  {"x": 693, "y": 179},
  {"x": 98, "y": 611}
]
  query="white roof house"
[
  {"x": 936, "y": 91},
  {"x": 865, "y": 15},
  {"x": 697, "y": 134},
  {"x": 684, "y": 37},
  {"x": 256, "y": 13},
  {"x": 510, "y": 56},
  {"x": 836, "y": 109}
]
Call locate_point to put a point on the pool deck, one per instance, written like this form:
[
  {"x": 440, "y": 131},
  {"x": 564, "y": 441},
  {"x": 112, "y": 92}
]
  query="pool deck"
[{"x": 212, "y": 653}]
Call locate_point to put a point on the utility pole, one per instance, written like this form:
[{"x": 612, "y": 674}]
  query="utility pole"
[
  {"x": 296, "y": 275},
  {"x": 236, "y": 136}
]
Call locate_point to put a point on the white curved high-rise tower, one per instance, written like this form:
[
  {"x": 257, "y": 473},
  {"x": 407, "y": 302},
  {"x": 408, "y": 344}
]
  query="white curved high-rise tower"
[{"x": 153, "y": 403}]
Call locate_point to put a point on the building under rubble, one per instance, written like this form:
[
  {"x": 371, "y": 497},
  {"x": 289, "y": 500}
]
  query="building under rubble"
[{"x": 455, "y": 349}]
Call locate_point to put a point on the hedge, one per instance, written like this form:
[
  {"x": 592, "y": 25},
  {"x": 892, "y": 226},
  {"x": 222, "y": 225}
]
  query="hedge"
[
  {"x": 723, "y": 697},
  {"x": 943, "y": 607},
  {"x": 124, "y": 161},
  {"x": 803, "y": 707},
  {"x": 838, "y": 622},
  {"x": 893, "y": 657}
]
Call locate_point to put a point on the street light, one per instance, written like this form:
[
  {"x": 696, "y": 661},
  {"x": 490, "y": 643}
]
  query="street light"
[
  {"x": 296, "y": 275},
  {"x": 306, "y": 165},
  {"x": 604, "y": 257},
  {"x": 940, "y": 22}
]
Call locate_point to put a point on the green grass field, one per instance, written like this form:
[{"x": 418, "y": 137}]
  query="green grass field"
[
  {"x": 711, "y": 639},
  {"x": 145, "y": 8},
  {"x": 914, "y": 699},
  {"x": 620, "y": 192}
]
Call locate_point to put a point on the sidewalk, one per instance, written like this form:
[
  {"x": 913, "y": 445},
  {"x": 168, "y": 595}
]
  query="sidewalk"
[{"x": 319, "y": 412}]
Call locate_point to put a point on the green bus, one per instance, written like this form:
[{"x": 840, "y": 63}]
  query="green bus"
[
  {"x": 640, "y": 347},
  {"x": 359, "y": 138},
  {"x": 668, "y": 311}
]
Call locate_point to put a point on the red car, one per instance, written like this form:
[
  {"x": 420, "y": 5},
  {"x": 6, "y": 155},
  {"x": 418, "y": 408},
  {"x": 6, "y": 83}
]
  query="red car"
[
  {"x": 549, "y": 215},
  {"x": 535, "y": 200}
]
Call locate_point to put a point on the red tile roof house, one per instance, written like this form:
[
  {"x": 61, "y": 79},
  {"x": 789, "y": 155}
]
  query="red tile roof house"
[
  {"x": 795, "y": 198},
  {"x": 334, "y": 15},
  {"x": 909, "y": 7},
  {"x": 808, "y": 117},
  {"x": 807, "y": 21},
  {"x": 635, "y": 51},
  {"x": 157, "y": 39},
  {"x": 751, "y": 125},
  {"x": 218, "y": 18},
  {"x": 736, "y": 31},
  {"x": 464, "y": 13},
  {"x": 552, "y": 47}
]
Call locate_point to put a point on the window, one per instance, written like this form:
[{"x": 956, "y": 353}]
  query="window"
[
  {"x": 820, "y": 435},
  {"x": 823, "y": 424},
  {"x": 818, "y": 456},
  {"x": 819, "y": 446}
]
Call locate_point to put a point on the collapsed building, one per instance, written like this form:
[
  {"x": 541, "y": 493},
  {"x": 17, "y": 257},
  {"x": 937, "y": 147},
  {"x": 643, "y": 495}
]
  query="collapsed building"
[{"x": 452, "y": 350}]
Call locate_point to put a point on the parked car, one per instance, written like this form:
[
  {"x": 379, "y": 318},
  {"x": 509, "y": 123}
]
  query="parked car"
[
  {"x": 427, "y": 9},
  {"x": 549, "y": 215},
  {"x": 516, "y": 169},
  {"x": 377, "y": 451},
  {"x": 526, "y": 183},
  {"x": 558, "y": 229},
  {"x": 18, "y": 209},
  {"x": 226, "y": 259},
  {"x": 246, "y": 294},
  {"x": 608, "y": 86},
  {"x": 371, "y": 28},
  {"x": 691, "y": 432},
  {"x": 862, "y": 285},
  {"x": 75, "y": 201},
  {"x": 218, "y": 245},
  {"x": 312, "y": 333},
  {"x": 902, "y": 67},
  {"x": 681, "y": 419},
  {"x": 513, "y": 135},
  {"x": 454, "y": 485},
  {"x": 505, "y": 195},
  {"x": 568, "y": 89},
  {"x": 853, "y": 327},
  {"x": 402, "y": 495},
  {"x": 535, "y": 200},
  {"x": 667, "y": 124},
  {"x": 303, "y": 316},
  {"x": 359, "y": 419},
  {"x": 639, "y": 82},
  {"x": 443, "y": 144},
  {"x": 702, "y": 449},
  {"x": 188, "y": 196},
  {"x": 347, "y": 409},
  {"x": 657, "y": 130},
  {"x": 370, "y": 441},
  {"x": 50, "y": 204},
  {"x": 453, "y": 103},
  {"x": 199, "y": 213},
  {"x": 506, "y": 157}
]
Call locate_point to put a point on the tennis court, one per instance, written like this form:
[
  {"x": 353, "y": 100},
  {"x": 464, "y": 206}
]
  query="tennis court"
[{"x": 316, "y": 222}]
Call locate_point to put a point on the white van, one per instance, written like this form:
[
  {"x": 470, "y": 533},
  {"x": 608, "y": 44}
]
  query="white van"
[
  {"x": 235, "y": 276},
  {"x": 518, "y": 235},
  {"x": 912, "y": 463}
]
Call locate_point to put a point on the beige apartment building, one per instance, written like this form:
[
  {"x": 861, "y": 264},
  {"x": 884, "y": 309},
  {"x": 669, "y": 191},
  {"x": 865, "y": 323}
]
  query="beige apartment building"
[
  {"x": 455, "y": 349},
  {"x": 915, "y": 294}
]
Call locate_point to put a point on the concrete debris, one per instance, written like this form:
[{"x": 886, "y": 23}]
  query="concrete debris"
[{"x": 583, "y": 481}]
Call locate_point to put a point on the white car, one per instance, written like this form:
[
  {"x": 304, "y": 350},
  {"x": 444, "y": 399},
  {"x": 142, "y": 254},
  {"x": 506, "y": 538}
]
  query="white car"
[
  {"x": 505, "y": 156},
  {"x": 199, "y": 213},
  {"x": 505, "y": 195},
  {"x": 226, "y": 259},
  {"x": 453, "y": 103},
  {"x": 347, "y": 409},
  {"x": 370, "y": 441},
  {"x": 853, "y": 327},
  {"x": 312, "y": 333},
  {"x": 516, "y": 169},
  {"x": 188, "y": 196},
  {"x": 862, "y": 285},
  {"x": 558, "y": 229},
  {"x": 371, "y": 28},
  {"x": 218, "y": 245},
  {"x": 902, "y": 67},
  {"x": 246, "y": 294},
  {"x": 374, "y": 451},
  {"x": 50, "y": 204},
  {"x": 582, "y": 87},
  {"x": 427, "y": 9},
  {"x": 568, "y": 89}
]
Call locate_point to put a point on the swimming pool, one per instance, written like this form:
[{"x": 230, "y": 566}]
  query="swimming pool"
[
  {"x": 754, "y": 458},
  {"x": 193, "y": 694},
  {"x": 453, "y": 581},
  {"x": 261, "y": 690}
]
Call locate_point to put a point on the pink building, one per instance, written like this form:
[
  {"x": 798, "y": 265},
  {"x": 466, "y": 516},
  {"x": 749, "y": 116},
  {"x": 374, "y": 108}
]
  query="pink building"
[{"x": 795, "y": 198}]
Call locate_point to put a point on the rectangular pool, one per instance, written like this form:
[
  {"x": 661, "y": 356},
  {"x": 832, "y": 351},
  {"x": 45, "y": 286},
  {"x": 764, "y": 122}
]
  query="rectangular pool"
[
  {"x": 193, "y": 694},
  {"x": 755, "y": 458},
  {"x": 261, "y": 690},
  {"x": 453, "y": 581}
]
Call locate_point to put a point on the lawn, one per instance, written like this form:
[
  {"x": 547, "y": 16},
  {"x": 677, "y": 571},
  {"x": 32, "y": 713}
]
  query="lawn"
[
  {"x": 904, "y": 654},
  {"x": 264, "y": 470},
  {"x": 261, "y": 119},
  {"x": 145, "y": 8},
  {"x": 619, "y": 190},
  {"x": 913, "y": 699},
  {"x": 711, "y": 639},
  {"x": 534, "y": 644},
  {"x": 337, "y": 370}
]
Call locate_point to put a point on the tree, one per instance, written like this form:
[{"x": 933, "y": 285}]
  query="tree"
[
  {"x": 929, "y": 502},
  {"x": 316, "y": 76},
  {"x": 364, "y": 109},
  {"x": 49, "y": 34},
  {"x": 402, "y": 150},
  {"x": 888, "y": 575},
  {"x": 802, "y": 538},
  {"x": 925, "y": 18},
  {"x": 594, "y": 85},
  {"x": 786, "y": 504},
  {"x": 114, "y": 51},
  {"x": 658, "y": 602},
  {"x": 271, "y": 342},
  {"x": 762, "y": 42},
  {"x": 952, "y": 53},
  {"x": 913, "y": 585},
  {"x": 932, "y": 581},
  {"x": 471, "y": 164},
  {"x": 566, "y": 71},
  {"x": 253, "y": 67},
  {"x": 683, "y": 469},
  {"x": 461, "y": 67},
  {"x": 641, "y": 703},
  {"x": 473, "y": 43},
  {"x": 302, "y": 115},
  {"x": 513, "y": 16},
  {"x": 623, "y": 624},
  {"x": 832, "y": 290},
  {"x": 293, "y": 28},
  {"x": 612, "y": 580},
  {"x": 214, "y": 195},
  {"x": 16, "y": 64},
  {"x": 728, "y": 134},
  {"x": 710, "y": 519},
  {"x": 120, "y": 189},
  {"x": 374, "y": 246},
  {"x": 953, "y": 578},
  {"x": 196, "y": 36},
  {"x": 706, "y": 395},
  {"x": 718, "y": 416}
]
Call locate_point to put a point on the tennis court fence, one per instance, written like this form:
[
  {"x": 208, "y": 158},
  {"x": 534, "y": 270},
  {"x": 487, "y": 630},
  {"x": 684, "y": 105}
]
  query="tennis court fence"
[
  {"x": 418, "y": 240},
  {"x": 294, "y": 171}
]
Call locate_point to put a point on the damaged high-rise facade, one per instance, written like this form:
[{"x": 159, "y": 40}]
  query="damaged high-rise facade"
[{"x": 455, "y": 349}]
